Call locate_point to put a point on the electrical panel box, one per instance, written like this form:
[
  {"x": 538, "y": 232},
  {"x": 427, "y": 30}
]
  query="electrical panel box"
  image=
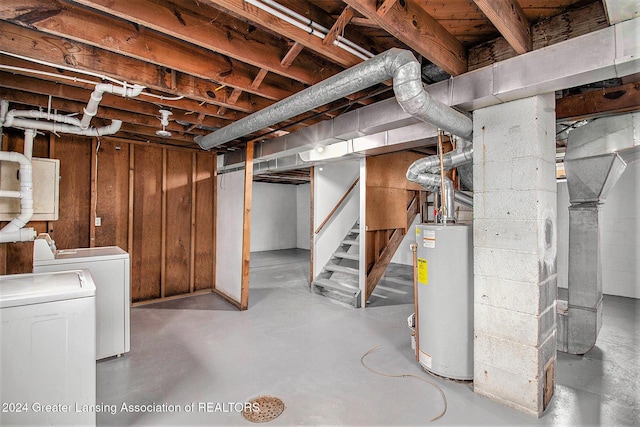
[{"x": 46, "y": 186}]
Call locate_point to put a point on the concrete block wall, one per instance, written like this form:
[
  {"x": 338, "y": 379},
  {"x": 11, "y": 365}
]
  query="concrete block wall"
[{"x": 515, "y": 252}]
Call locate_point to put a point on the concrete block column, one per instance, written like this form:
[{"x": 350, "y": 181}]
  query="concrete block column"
[{"x": 515, "y": 252}]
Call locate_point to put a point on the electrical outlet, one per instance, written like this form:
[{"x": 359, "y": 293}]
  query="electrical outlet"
[{"x": 98, "y": 221}]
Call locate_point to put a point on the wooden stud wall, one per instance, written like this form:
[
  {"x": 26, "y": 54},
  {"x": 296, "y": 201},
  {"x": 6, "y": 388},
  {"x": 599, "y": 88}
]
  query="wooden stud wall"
[
  {"x": 113, "y": 194},
  {"x": 204, "y": 236},
  {"x": 178, "y": 234},
  {"x": 154, "y": 202}
]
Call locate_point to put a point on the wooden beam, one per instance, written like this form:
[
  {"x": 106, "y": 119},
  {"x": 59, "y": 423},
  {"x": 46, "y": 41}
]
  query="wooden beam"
[
  {"x": 338, "y": 27},
  {"x": 420, "y": 31},
  {"x": 115, "y": 35},
  {"x": 312, "y": 235},
  {"x": 70, "y": 100},
  {"x": 508, "y": 18},
  {"x": 163, "y": 228},
  {"x": 311, "y": 42},
  {"x": 214, "y": 216},
  {"x": 291, "y": 55},
  {"x": 110, "y": 104},
  {"x": 85, "y": 56},
  {"x": 257, "y": 81},
  {"x": 246, "y": 226},
  {"x": 385, "y": 6},
  {"x": 611, "y": 100},
  {"x": 194, "y": 201},
  {"x": 554, "y": 30},
  {"x": 211, "y": 30},
  {"x": 131, "y": 198}
]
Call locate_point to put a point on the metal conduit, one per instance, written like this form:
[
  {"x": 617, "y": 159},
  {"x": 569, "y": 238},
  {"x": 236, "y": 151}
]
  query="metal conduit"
[{"x": 395, "y": 63}]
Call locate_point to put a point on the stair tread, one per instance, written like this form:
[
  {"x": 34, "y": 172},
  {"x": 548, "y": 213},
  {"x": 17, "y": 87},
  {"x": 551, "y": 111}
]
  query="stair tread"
[
  {"x": 342, "y": 269},
  {"x": 350, "y": 242},
  {"x": 347, "y": 255},
  {"x": 355, "y": 230},
  {"x": 328, "y": 283}
]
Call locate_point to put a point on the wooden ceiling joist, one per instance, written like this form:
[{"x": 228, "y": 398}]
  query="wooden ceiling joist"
[
  {"x": 418, "y": 30},
  {"x": 611, "y": 100},
  {"x": 29, "y": 43},
  {"x": 120, "y": 37},
  {"x": 510, "y": 20},
  {"x": 260, "y": 17},
  {"x": 338, "y": 27},
  {"x": 222, "y": 34},
  {"x": 135, "y": 109}
]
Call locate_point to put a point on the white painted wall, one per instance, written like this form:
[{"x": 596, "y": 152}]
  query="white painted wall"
[
  {"x": 404, "y": 255},
  {"x": 330, "y": 184},
  {"x": 273, "y": 217},
  {"x": 620, "y": 248},
  {"x": 229, "y": 233},
  {"x": 303, "y": 220}
]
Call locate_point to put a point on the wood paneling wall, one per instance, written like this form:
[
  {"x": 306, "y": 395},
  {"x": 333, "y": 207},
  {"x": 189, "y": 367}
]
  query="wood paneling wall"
[{"x": 154, "y": 202}]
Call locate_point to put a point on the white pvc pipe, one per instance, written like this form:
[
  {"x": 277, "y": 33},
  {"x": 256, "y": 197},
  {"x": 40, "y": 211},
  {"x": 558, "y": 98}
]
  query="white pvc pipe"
[
  {"x": 29, "y": 134},
  {"x": 92, "y": 106},
  {"x": 35, "y": 114},
  {"x": 14, "y": 231},
  {"x": 9, "y": 194},
  {"x": 22, "y": 235},
  {"x": 4, "y": 109},
  {"x": 54, "y": 127}
]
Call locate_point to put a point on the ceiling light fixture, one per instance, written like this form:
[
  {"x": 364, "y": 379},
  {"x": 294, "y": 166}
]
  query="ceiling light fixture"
[{"x": 165, "y": 122}]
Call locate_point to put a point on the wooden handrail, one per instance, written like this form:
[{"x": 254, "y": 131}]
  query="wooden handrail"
[{"x": 335, "y": 208}]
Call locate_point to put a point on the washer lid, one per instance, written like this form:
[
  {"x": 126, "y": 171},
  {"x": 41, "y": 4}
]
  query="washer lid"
[
  {"x": 105, "y": 251},
  {"x": 34, "y": 288}
]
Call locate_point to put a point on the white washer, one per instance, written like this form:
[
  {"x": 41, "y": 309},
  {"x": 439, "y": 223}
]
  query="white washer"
[
  {"x": 109, "y": 267},
  {"x": 47, "y": 349}
]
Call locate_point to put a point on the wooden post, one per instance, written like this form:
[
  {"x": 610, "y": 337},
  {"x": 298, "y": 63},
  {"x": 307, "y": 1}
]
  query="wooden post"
[
  {"x": 163, "y": 231},
  {"x": 312, "y": 239},
  {"x": 131, "y": 186},
  {"x": 246, "y": 227},
  {"x": 214, "y": 214},
  {"x": 192, "y": 252}
]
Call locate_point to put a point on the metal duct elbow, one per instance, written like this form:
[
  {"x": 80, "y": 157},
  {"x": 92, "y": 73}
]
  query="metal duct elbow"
[
  {"x": 425, "y": 172},
  {"x": 395, "y": 63}
]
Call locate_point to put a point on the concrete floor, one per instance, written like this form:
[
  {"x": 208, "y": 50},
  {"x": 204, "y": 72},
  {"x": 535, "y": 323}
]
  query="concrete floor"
[{"x": 306, "y": 350}]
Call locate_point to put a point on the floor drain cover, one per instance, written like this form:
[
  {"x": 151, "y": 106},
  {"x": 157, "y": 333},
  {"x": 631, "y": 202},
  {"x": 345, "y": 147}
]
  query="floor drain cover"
[{"x": 263, "y": 409}]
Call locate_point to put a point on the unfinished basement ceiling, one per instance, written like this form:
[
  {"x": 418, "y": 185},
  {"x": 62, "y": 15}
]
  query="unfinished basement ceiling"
[{"x": 230, "y": 58}]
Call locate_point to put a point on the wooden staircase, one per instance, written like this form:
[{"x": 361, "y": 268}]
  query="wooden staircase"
[
  {"x": 383, "y": 244},
  {"x": 339, "y": 279},
  {"x": 392, "y": 203}
]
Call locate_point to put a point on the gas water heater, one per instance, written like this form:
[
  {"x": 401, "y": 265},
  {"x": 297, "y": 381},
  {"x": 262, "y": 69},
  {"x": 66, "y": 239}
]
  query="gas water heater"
[{"x": 445, "y": 299}]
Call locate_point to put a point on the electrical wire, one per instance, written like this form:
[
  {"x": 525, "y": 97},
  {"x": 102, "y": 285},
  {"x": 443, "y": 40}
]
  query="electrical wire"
[{"x": 436, "y": 386}]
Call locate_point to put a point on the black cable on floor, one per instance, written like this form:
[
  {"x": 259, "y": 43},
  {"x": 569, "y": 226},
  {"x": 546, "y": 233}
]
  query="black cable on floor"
[{"x": 437, "y": 387}]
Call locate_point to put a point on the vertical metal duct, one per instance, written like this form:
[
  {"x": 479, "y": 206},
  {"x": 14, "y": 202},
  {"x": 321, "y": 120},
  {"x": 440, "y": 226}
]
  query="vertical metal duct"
[
  {"x": 398, "y": 64},
  {"x": 597, "y": 155}
]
